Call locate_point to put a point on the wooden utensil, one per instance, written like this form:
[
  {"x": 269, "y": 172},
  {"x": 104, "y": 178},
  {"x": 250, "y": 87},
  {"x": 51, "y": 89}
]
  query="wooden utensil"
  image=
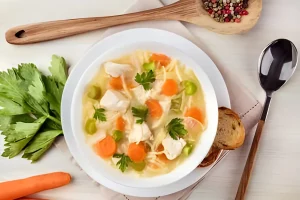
[
  {"x": 183, "y": 10},
  {"x": 277, "y": 64}
]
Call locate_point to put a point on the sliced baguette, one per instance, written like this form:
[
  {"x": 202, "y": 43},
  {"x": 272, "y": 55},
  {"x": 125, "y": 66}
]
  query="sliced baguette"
[
  {"x": 211, "y": 157},
  {"x": 231, "y": 131}
]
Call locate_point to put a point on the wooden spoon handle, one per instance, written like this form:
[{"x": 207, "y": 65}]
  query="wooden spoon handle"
[
  {"x": 250, "y": 161},
  {"x": 45, "y": 31}
]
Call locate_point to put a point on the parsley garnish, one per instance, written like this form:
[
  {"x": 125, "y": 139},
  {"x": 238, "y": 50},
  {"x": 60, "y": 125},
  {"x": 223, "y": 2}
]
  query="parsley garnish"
[
  {"x": 145, "y": 79},
  {"x": 123, "y": 162},
  {"x": 99, "y": 114},
  {"x": 176, "y": 128},
  {"x": 141, "y": 113}
]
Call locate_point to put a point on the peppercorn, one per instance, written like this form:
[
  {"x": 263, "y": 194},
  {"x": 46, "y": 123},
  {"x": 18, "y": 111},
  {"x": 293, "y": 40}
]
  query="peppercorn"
[{"x": 219, "y": 10}]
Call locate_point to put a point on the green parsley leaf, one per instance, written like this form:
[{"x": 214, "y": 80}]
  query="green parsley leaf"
[
  {"x": 12, "y": 86},
  {"x": 99, "y": 114},
  {"x": 58, "y": 69},
  {"x": 9, "y": 107},
  {"x": 54, "y": 92},
  {"x": 40, "y": 144},
  {"x": 18, "y": 135},
  {"x": 123, "y": 162},
  {"x": 176, "y": 128},
  {"x": 145, "y": 79},
  {"x": 5, "y": 120},
  {"x": 141, "y": 113}
]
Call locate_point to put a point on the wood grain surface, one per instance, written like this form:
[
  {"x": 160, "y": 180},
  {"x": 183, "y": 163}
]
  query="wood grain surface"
[
  {"x": 183, "y": 10},
  {"x": 250, "y": 162}
]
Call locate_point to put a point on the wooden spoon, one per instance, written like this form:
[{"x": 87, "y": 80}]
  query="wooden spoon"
[{"x": 183, "y": 10}]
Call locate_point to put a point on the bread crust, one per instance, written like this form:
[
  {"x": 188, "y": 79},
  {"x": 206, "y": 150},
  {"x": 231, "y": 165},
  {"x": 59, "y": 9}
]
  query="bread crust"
[
  {"x": 231, "y": 131},
  {"x": 211, "y": 157}
]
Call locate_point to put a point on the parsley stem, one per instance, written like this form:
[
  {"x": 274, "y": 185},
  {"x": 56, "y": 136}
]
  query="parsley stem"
[{"x": 54, "y": 119}]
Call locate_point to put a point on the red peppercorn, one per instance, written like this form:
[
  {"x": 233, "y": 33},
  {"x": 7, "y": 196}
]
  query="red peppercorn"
[
  {"x": 227, "y": 19},
  {"x": 213, "y": 1},
  {"x": 219, "y": 12},
  {"x": 237, "y": 20},
  {"x": 227, "y": 7},
  {"x": 237, "y": 9},
  {"x": 210, "y": 11},
  {"x": 245, "y": 12},
  {"x": 223, "y": 12},
  {"x": 228, "y": 12}
]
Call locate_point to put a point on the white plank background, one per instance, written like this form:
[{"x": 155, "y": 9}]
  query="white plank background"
[{"x": 276, "y": 174}]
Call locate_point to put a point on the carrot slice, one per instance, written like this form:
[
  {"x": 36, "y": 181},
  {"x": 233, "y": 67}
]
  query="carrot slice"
[
  {"x": 120, "y": 124},
  {"x": 106, "y": 147},
  {"x": 154, "y": 107},
  {"x": 22, "y": 187},
  {"x": 170, "y": 87},
  {"x": 136, "y": 152},
  {"x": 161, "y": 58},
  {"x": 195, "y": 113},
  {"x": 163, "y": 156},
  {"x": 116, "y": 83}
]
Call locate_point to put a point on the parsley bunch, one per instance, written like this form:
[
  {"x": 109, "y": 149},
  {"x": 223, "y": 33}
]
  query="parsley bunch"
[{"x": 30, "y": 101}]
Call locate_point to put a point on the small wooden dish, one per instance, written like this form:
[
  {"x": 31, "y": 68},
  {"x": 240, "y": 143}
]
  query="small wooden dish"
[{"x": 184, "y": 10}]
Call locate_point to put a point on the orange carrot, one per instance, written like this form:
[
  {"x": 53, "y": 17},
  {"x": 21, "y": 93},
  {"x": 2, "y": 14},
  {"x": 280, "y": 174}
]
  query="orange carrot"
[
  {"x": 136, "y": 152},
  {"x": 106, "y": 147},
  {"x": 120, "y": 124},
  {"x": 27, "y": 186},
  {"x": 195, "y": 113},
  {"x": 30, "y": 199},
  {"x": 154, "y": 107},
  {"x": 161, "y": 58},
  {"x": 169, "y": 88},
  {"x": 116, "y": 83},
  {"x": 163, "y": 156}
]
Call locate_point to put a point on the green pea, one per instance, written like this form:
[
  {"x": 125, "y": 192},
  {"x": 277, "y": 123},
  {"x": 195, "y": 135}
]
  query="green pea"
[
  {"x": 187, "y": 149},
  {"x": 190, "y": 87},
  {"x": 117, "y": 135},
  {"x": 138, "y": 166},
  {"x": 149, "y": 66},
  {"x": 90, "y": 126},
  {"x": 94, "y": 92}
]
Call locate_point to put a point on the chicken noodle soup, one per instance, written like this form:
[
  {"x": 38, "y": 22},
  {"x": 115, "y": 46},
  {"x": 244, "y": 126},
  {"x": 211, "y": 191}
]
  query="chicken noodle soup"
[{"x": 144, "y": 113}]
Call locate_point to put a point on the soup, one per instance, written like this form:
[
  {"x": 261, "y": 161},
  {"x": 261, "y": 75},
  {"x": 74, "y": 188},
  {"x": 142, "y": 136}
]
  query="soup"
[{"x": 144, "y": 113}]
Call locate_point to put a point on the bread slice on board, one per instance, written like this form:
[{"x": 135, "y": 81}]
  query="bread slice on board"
[
  {"x": 211, "y": 157},
  {"x": 231, "y": 131}
]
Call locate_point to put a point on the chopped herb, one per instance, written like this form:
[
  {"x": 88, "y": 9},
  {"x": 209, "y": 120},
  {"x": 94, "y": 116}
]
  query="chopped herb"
[
  {"x": 99, "y": 114},
  {"x": 176, "y": 128},
  {"x": 123, "y": 162},
  {"x": 145, "y": 79},
  {"x": 141, "y": 113}
]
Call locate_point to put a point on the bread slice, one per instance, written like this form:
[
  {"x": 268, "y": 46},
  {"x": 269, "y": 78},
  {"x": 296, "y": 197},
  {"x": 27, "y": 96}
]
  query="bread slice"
[
  {"x": 231, "y": 131},
  {"x": 211, "y": 157}
]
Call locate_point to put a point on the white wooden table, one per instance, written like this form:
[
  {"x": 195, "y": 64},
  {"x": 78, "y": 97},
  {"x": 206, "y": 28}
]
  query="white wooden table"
[{"x": 276, "y": 174}]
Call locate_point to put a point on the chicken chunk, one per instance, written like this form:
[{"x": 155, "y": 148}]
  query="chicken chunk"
[
  {"x": 116, "y": 70},
  {"x": 173, "y": 147},
  {"x": 140, "y": 132},
  {"x": 114, "y": 101}
]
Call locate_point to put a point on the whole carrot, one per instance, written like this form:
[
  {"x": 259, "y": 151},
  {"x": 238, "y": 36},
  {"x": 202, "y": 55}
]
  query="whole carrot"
[{"x": 22, "y": 187}]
